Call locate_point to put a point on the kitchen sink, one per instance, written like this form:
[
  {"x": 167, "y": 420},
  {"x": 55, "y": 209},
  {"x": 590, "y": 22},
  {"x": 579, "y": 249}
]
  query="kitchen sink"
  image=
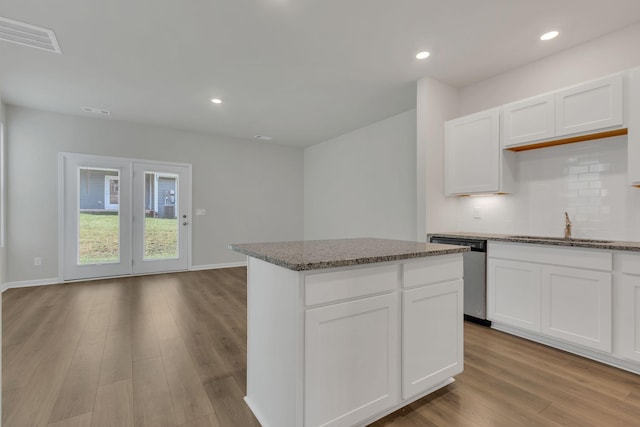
[{"x": 561, "y": 239}]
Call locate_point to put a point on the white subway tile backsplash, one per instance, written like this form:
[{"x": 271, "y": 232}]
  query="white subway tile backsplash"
[
  {"x": 598, "y": 167},
  {"x": 589, "y": 176},
  {"x": 587, "y": 180},
  {"x": 574, "y": 170}
]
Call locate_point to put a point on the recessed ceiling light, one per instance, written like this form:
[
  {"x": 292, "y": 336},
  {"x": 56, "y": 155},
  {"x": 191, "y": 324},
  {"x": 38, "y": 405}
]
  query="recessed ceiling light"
[
  {"x": 550, "y": 35},
  {"x": 263, "y": 137},
  {"x": 423, "y": 55},
  {"x": 216, "y": 100}
]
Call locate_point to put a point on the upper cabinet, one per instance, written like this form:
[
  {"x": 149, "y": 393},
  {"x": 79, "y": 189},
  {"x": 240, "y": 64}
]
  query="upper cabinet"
[
  {"x": 530, "y": 120},
  {"x": 479, "y": 148},
  {"x": 474, "y": 162},
  {"x": 577, "y": 113},
  {"x": 590, "y": 106},
  {"x": 633, "y": 144}
]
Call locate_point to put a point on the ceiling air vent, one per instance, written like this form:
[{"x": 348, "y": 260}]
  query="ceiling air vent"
[
  {"x": 28, "y": 35},
  {"x": 96, "y": 111}
]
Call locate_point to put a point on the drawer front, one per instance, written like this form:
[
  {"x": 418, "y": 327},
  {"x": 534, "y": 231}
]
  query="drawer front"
[
  {"x": 549, "y": 254},
  {"x": 430, "y": 270},
  {"x": 627, "y": 263},
  {"x": 338, "y": 285}
]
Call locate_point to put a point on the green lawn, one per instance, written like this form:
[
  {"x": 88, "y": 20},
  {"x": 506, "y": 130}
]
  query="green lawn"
[{"x": 99, "y": 238}]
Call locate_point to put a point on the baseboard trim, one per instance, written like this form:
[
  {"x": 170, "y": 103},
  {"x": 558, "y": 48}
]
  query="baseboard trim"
[
  {"x": 608, "y": 359},
  {"x": 56, "y": 280},
  {"x": 29, "y": 283},
  {"x": 217, "y": 266}
]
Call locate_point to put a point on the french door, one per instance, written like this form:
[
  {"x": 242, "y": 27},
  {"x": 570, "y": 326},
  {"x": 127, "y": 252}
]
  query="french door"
[{"x": 123, "y": 217}]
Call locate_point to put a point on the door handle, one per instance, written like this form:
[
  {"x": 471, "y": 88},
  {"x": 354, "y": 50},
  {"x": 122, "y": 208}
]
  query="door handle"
[{"x": 185, "y": 223}]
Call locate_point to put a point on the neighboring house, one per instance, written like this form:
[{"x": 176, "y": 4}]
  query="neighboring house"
[
  {"x": 160, "y": 195},
  {"x": 100, "y": 192}
]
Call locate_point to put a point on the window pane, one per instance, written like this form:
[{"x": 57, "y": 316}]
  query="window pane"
[
  {"x": 161, "y": 215},
  {"x": 99, "y": 216}
]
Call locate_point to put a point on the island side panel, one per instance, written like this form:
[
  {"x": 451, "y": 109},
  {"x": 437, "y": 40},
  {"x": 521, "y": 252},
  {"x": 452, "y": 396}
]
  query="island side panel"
[{"x": 274, "y": 340}]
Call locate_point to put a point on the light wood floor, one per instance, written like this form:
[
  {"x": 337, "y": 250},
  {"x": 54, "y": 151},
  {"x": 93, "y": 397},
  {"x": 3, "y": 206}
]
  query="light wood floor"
[{"x": 169, "y": 350}]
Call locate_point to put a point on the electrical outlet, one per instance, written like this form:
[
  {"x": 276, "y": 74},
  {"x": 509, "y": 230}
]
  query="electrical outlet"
[
  {"x": 37, "y": 261},
  {"x": 476, "y": 212}
]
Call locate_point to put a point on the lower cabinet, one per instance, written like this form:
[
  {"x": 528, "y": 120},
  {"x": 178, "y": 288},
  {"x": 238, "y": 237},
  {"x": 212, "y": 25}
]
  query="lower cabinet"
[
  {"x": 513, "y": 293},
  {"x": 629, "y": 306},
  {"x": 576, "y": 306},
  {"x": 432, "y": 317},
  {"x": 560, "y": 292},
  {"x": 351, "y": 361},
  {"x": 346, "y": 346}
]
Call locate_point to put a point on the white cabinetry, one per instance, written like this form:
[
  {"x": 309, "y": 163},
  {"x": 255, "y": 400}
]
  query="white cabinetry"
[
  {"x": 575, "y": 111},
  {"x": 513, "y": 293},
  {"x": 474, "y": 162},
  {"x": 576, "y": 306},
  {"x": 533, "y": 119},
  {"x": 432, "y": 317},
  {"x": 560, "y": 292},
  {"x": 346, "y": 346},
  {"x": 633, "y": 155},
  {"x": 351, "y": 356},
  {"x": 590, "y": 106},
  {"x": 629, "y": 305}
]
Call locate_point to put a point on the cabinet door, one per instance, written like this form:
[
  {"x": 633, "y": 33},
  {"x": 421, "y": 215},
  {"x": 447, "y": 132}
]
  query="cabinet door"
[
  {"x": 432, "y": 318},
  {"x": 513, "y": 293},
  {"x": 630, "y": 315},
  {"x": 590, "y": 106},
  {"x": 576, "y": 306},
  {"x": 633, "y": 140},
  {"x": 471, "y": 152},
  {"x": 527, "y": 121},
  {"x": 351, "y": 361}
]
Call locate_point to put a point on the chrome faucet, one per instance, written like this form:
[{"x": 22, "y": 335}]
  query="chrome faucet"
[{"x": 567, "y": 226}]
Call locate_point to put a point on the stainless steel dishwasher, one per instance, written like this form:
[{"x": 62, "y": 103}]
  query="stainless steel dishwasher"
[{"x": 475, "y": 276}]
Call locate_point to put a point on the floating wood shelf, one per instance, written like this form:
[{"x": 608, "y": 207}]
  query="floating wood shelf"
[{"x": 571, "y": 140}]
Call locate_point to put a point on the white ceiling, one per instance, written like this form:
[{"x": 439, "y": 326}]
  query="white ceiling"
[{"x": 301, "y": 71}]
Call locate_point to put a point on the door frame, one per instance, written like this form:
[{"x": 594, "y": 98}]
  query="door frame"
[{"x": 89, "y": 157}]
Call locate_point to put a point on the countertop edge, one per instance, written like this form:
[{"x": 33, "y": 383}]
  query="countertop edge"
[
  {"x": 345, "y": 262},
  {"x": 613, "y": 246}
]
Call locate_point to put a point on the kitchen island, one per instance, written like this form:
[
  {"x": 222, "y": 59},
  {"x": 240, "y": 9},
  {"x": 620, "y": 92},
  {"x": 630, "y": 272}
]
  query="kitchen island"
[{"x": 344, "y": 332}]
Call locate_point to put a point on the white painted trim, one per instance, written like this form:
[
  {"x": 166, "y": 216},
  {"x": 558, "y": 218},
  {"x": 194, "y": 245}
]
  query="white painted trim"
[
  {"x": 217, "y": 266},
  {"x": 91, "y": 157},
  {"x": 108, "y": 206},
  {"x": 61, "y": 194},
  {"x": 58, "y": 281},
  {"x": 29, "y": 283},
  {"x": 608, "y": 359}
]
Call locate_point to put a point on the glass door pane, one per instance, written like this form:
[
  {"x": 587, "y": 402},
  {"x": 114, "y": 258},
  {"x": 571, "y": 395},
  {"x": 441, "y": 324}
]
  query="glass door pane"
[
  {"x": 161, "y": 215},
  {"x": 98, "y": 216},
  {"x": 160, "y": 228}
]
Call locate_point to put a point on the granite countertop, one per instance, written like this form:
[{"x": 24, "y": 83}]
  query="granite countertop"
[
  {"x": 543, "y": 240},
  {"x": 318, "y": 254}
]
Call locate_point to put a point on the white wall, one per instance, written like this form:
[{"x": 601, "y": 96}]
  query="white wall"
[
  {"x": 3, "y": 191},
  {"x": 614, "y": 52},
  {"x": 586, "y": 179},
  {"x": 251, "y": 191},
  {"x": 363, "y": 184},
  {"x": 436, "y": 103},
  {"x": 2, "y": 215}
]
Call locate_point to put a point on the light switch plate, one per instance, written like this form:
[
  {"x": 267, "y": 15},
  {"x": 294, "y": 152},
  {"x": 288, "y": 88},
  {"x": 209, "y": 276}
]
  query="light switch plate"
[{"x": 201, "y": 211}]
